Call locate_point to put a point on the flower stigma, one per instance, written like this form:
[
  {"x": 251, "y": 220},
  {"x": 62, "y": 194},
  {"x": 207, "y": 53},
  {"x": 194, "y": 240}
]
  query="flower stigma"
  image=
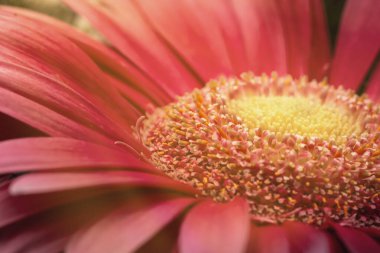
[{"x": 294, "y": 149}]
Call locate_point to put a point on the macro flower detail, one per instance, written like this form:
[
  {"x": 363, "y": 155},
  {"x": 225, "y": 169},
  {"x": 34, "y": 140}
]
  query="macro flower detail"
[
  {"x": 191, "y": 126},
  {"x": 311, "y": 158}
]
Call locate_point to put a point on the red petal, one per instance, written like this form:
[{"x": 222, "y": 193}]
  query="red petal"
[
  {"x": 358, "y": 43},
  {"x": 305, "y": 238},
  {"x": 61, "y": 153},
  {"x": 215, "y": 227},
  {"x": 124, "y": 231},
  {"x": 269, "y": 239},
  {"x": 37, "y": 183},
  {"x": 356, "y": 241}
]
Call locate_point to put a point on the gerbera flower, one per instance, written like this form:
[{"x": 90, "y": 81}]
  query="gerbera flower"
[{"x": 135, "y": 152}]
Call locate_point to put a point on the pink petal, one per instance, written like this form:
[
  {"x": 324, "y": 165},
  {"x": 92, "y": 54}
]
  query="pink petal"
[
  {"x": 45, "y": 52},
  {"x": 296, "y": 23},
  {"x": 52, "y": 94},
  {"x": 358, "y": 43},
  {"x": 124, "y": 231},
  {"x": 263, "y": 35},
  {"x": 61, "y": 153},
  {"x": 38, "y": 183},
  {"x": 305, "y": 238},
  {"x": 192, "y": 32},
  {"x": 356, "y": 241},
  {"x": 269, "y": 239},
  {"x": 216, "y": 227},
  {"x": 221, "y": 12},
  {"x": 373, "y": 88},
  {"x": 106, "y": 58},
  {"x": 320, "y": 57},
  {"x": 134, "y": 38},
  {"x": 52, "y": 122}
]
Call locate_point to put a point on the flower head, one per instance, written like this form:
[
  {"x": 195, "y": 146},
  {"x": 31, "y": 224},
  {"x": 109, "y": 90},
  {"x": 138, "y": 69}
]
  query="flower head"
[{"x": 159, "y": 143}]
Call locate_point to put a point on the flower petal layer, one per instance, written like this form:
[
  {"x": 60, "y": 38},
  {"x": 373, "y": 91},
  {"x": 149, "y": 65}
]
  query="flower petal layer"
[
  {"x": 133, "y": 37},
  {"x": 216, "y": 227},
  {"x": 358, "y": 43},
  {"x": 38, "y": 183},
  {"x": 48, "y": 153},
  {"x": 124, "y": 231}
]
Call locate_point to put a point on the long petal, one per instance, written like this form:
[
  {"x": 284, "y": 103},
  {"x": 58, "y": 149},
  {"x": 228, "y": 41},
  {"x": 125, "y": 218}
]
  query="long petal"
[
  {"x": 45, "y": 52},
  {"x": 188, "y": 29},
  {"x": 214, "y": 227},
  {"x": 133, "y": 37},
  {"x": 124, "y": 231},
  {"x": 107, "y": 59},
  {"x": 38, "y": 183},
  {"x": 263, "y": 35},
  {"x": 358, "y": 43},
  {"x": 47, "y": 153}
]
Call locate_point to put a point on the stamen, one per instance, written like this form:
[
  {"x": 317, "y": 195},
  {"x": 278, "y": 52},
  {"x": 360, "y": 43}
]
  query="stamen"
[{"x": 295, "y": 149}]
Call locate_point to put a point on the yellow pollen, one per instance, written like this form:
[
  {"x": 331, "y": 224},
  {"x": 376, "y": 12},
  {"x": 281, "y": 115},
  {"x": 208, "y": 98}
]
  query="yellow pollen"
[{"x": 295, "y": 115}]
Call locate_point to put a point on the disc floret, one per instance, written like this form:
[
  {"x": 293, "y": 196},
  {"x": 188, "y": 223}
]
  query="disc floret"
[{"x": 246, "y": 137}]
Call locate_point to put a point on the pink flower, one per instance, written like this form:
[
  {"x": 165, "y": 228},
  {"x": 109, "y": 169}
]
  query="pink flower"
[{"x": 138, "y": 155}]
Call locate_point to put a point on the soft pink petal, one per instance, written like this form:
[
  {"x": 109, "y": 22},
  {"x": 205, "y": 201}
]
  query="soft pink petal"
[
  {"x": 222, "y": 12},
  {"x": 320, "y": 57},
  {"x": 216, "y": 227},
  {"x": 373, "y": 88},
  {"x": 124, "y": 231},
  {"x": 44, "y": 119},
  {"x": 263, "y": 35},
  {"x": 46, "y": 52},
  {"x": 133, "y": 37},
  {"x": 356, "y": 241},
  {"x": 269, "y": 239},
  {"x": 38, "y": 183},
  {"x": 107, "y": 59},
  {"x": 61, "y": 153},
  {"x": 296, "y": 23},
  {"x": 358, "y": 43},
  {"x": 54, "y": 95}
]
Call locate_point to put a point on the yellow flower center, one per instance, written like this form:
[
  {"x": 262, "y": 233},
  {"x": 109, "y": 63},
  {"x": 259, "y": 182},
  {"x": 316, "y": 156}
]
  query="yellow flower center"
[
  {"x": 295, "y": 115},
  {"x": 294, "y": 149}
]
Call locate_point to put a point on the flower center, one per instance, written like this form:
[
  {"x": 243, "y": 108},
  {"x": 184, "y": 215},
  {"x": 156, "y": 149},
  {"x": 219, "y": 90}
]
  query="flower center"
[
  {"x": 295, "y": 115},
  {"x": 296, "y": 150}
]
